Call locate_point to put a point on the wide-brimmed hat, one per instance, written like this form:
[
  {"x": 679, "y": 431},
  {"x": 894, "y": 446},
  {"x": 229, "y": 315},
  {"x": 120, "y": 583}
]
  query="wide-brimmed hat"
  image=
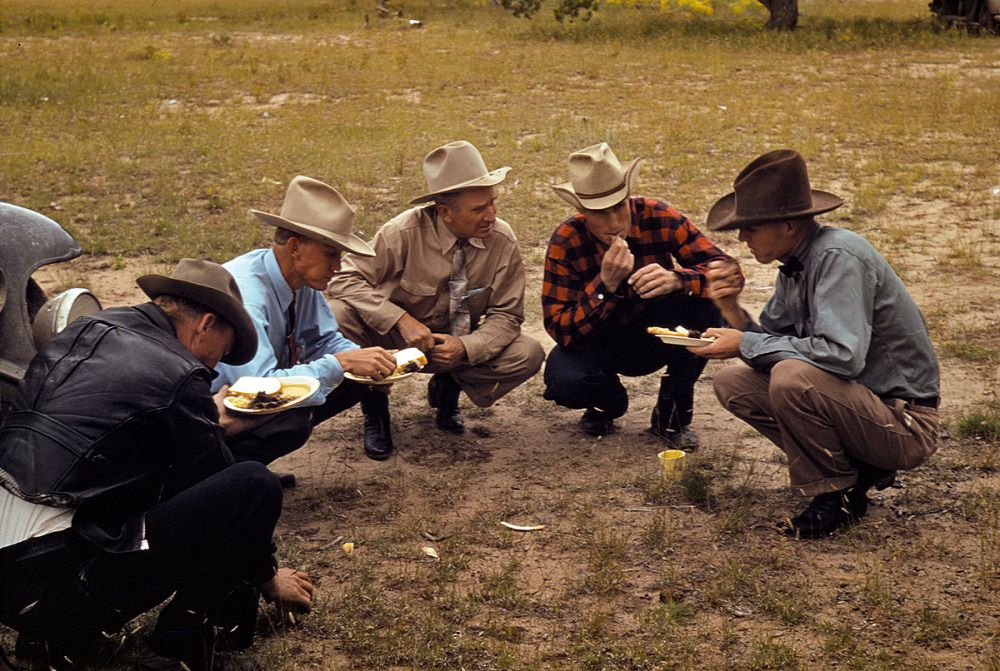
[
  {"x": 455, "y": 166},
  {"x": 596, "y": 178},
  {"x": 774, "y": 187},
  {"x": 211, "y": 285},
  {"x": 318, "y": 211}
]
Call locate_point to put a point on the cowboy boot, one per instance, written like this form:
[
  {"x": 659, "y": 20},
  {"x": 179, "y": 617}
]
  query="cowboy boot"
[
  {"x": 378, "y": 435},
  {"x": 442, "y": 393},
  {"x": 671, "y": 418}
]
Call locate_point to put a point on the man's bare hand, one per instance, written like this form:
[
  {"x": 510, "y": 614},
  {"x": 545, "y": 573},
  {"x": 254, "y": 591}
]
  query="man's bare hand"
[
  {"x": 233, "y": 424},
  {"x": 726, "y": 345},
  {"x": 415, "y": 334},
  {"x": 448, "y": 350},
  {"x": 725, "y": 284},
  {"x": 291, "y": 590},
  {"x": 654, "y": 280},
  {"x": 616, "y": 264},
  {"x": 373, "y": 362}
]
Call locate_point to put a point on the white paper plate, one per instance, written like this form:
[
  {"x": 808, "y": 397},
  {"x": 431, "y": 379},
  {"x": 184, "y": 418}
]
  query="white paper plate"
[
  {"x": 303, "y": 387},
  {"x": 367, "y": 380},
  {"x": 685, "y": 341}
]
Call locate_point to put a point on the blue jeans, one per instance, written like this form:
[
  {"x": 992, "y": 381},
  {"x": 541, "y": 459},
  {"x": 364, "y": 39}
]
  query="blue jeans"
[{"x": 587, "y": 376}]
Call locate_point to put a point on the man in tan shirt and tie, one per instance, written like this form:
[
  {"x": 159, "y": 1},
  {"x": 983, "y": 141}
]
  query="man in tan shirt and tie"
[{"x": 446, "y": 278}]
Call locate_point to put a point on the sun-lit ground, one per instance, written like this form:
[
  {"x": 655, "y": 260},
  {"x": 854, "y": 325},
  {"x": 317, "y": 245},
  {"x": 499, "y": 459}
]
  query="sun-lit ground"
[{"x": 149, "y": 130}]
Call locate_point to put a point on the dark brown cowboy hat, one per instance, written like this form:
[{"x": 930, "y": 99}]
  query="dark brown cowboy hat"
[
  {"x": 211, "y": 285},
  {"x": 774, "y": 187}
]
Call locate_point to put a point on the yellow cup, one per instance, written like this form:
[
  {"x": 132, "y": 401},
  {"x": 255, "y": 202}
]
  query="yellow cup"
[{"x": 671, "y": 464}]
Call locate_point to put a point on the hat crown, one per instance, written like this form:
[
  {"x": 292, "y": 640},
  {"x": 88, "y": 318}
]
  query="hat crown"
[
  {"x": 207, "y": 274},
  {"x": 595, "y": 171},
  {"x": 452, "y": 165},
  {"x": 311, "y": 202},
  {"x": 775, "y": 183}
]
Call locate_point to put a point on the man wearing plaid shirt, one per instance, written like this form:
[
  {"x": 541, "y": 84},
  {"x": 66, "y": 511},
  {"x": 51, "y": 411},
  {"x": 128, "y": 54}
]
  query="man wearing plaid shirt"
[{"x": 610, "y": 272}]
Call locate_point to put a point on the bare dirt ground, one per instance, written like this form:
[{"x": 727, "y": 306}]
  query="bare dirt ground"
[{"x": 694, "y": 575}]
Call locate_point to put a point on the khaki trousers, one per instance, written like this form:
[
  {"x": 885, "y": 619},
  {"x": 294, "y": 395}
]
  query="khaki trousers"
[
  {"x": 484, "y": 383},
  {"x": 826, "y": 424}
]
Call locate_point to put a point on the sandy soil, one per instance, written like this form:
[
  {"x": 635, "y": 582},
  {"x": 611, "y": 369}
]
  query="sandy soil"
[{"x": 525, "y": 460}]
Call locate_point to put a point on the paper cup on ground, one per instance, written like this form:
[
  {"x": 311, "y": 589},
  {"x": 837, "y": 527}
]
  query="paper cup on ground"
[{"x": 671, "y": 464}]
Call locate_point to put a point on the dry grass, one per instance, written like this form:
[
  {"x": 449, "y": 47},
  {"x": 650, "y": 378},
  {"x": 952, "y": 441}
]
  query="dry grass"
[{"x": 149, "y": 129}]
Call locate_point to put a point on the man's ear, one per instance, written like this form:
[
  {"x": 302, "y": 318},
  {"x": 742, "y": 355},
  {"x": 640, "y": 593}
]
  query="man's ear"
[
  {"x": 205, "y": 322},
  {"x": 444, "y": 212}
]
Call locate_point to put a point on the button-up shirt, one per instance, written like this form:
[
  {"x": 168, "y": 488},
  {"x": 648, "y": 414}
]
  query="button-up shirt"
[
  {"x": 575, "y": 302},
  {"x": 848, "y": 313},
  {"x": 267, "y": 296},
  {"x": 410, "y": 271}
]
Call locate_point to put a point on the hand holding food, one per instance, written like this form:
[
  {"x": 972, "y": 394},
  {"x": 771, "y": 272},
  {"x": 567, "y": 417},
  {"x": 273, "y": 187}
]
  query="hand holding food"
[
  {"x": 373, "y": 362},
  {"x": 617, "y": 264}
]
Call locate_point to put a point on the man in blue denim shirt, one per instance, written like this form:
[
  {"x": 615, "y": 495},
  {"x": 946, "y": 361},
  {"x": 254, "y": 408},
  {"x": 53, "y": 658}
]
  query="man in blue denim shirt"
[
  {"x": 282, "y": 289},
  {"x": 842, "y": 375}
]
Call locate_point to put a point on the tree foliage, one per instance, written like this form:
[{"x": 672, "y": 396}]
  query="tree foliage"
[{"x": 784, "y": 13}]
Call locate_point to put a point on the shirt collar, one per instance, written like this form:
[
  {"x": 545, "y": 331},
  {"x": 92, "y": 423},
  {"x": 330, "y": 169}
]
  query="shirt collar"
[
  {"x": 278, "y": 281},
  {"x": 448, "y": 239},
  {"x": 798, "y": 261}
]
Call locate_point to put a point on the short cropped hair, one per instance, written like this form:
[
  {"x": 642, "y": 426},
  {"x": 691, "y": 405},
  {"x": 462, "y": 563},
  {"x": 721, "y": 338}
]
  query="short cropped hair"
[
  {"x": 178, "y": 307},
  {"x": 283, "y": 235}
]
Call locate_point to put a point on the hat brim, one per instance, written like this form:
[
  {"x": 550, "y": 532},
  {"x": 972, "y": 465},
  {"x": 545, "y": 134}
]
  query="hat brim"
[
  {"x": 569, "y": 194},
  {"x": 489, "y": 179},
  {"x": 349, "y": 243},
  {"x": 723, "y": 216},
  {"x": 230, "y": 309}
]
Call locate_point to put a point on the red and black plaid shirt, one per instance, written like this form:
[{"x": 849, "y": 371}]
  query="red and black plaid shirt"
[{"x": 575, "y": 302}]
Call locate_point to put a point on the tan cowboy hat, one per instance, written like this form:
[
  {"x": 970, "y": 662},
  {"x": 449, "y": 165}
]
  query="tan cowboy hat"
[
  {"x": 455, "y": 166},
  {"x": 211, "y": 285},
  {"x": 318, "y": 211},
  {"x": 774, "y": 187},
  {"x": 596, "y": 179}
]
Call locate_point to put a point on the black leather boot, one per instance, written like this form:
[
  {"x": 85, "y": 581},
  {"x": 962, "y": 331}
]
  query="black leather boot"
[
  {"x": 378, "y": 435},
  {"x": 442, "y": 393}
]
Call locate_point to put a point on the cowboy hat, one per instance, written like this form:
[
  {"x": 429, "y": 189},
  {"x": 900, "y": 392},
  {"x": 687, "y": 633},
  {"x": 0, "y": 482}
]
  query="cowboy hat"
[
  {"x": 596, "y": 179},
  {"x": 455, "y": 166},
  {"x": 210, "y": 285},
  {"x": 317, "y": 211},
  {"x": 774, "y": 187}
]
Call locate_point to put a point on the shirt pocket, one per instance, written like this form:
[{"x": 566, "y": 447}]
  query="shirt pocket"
[
  {"x": 420, "y": 298},
  {"x": 478, "y": 302}
]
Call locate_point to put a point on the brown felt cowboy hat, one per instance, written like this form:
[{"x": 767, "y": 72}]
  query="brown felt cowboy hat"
[
  {"x": 774, "y": 187},
  {"x": 596, "y": 179},
  {"x": 455, "y": 166},
  {"x": 318, "y": 211},
  {"x": 211, "y": 285}
]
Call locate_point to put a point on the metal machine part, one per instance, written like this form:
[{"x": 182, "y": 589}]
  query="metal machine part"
[{"x": 28, "y": 241}]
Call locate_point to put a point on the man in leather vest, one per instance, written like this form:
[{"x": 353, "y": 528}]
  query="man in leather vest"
[{"x": 118, "y": 488}]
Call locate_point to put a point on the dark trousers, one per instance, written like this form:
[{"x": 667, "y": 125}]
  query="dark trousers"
[
  {"x": 211, "y": 544},
  {"x": 587, "y": 376},
  {"x": 288, "y": 431}
]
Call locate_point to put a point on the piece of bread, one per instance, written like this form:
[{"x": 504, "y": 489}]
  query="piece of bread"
[
  {"x": 409, "y": 360},
  {"x": 251, "y": 386}
]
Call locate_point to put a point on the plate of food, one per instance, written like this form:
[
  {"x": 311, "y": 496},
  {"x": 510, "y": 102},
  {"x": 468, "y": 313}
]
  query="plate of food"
[
  {"x": 680, "y": 335},
  {"x": 267, "y": 395},
  {"x": 408, "y": 362}
]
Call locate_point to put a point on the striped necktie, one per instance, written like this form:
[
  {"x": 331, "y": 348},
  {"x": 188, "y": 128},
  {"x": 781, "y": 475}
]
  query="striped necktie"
[{"x": 458, "y": 311}]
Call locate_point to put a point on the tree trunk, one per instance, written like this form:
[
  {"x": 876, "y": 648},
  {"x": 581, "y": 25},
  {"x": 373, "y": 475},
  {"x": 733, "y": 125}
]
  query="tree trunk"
[{"x": 784, "y": 14}]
